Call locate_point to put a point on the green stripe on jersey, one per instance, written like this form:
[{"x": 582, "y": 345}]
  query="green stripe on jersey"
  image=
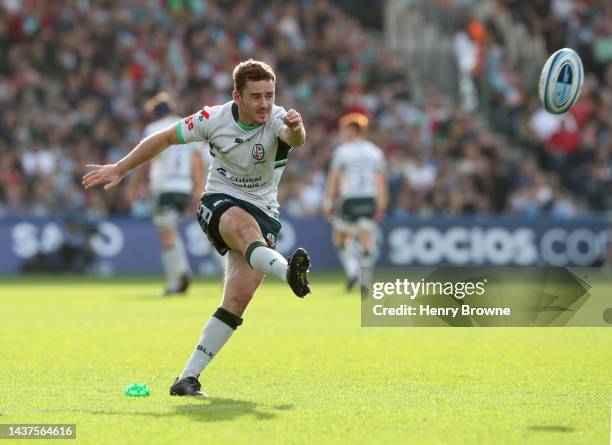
[
  {"x": 243, "y": 126},
  {"x": 247, "y": 127},
  {"x": 179, "y": 133},
  {"x": 282, "y": 163}
]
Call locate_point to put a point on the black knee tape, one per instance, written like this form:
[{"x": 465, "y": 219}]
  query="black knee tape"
[
  {"x": 251, "y": 248},
  {"x": 233, "y": 321}
]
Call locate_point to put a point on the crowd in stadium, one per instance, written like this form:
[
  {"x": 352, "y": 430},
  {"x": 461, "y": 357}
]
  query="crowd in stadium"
[{"x": 74, "y": 76}]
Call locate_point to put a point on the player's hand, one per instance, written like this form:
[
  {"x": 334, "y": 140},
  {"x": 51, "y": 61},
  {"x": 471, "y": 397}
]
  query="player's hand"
[
  {"x": 107, "y": 175},
  {"x": 293, "y": 120}
]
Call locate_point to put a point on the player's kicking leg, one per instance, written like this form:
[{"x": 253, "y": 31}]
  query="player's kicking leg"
[
  {"x": 241, "y": 233},
  {"x": 250, "y": 259}
]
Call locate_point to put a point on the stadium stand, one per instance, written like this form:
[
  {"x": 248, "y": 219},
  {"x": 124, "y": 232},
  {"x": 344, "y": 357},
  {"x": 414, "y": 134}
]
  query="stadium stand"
[{"x": 75, "y": 74}]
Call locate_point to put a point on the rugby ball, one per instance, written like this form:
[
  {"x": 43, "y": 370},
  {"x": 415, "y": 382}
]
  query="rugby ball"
[{"x": 561, "y": 81}]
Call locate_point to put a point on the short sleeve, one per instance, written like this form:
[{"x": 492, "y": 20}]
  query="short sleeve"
[
  {"x": 195, "y": 147},
  {"x": 194, "y": 128},
  {"x": 382, "y": 162}
]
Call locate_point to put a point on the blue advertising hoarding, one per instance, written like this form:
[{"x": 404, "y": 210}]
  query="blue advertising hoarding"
[{"x": 130, "y": 246}]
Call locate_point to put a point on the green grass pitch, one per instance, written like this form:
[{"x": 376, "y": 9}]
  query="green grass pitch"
[{"x": 297, "y": 371}]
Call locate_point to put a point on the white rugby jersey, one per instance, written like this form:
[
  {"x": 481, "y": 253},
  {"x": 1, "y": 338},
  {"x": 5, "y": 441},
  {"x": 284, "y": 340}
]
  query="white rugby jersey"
[
  {"x": 171, "y": 171},
  {"x": 358, "y": 162},
  {"x": 246, "y": 161}
]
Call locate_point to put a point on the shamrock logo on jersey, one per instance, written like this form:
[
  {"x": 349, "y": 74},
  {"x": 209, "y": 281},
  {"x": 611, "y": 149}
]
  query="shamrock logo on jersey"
[{"x": 258, "y": 152}]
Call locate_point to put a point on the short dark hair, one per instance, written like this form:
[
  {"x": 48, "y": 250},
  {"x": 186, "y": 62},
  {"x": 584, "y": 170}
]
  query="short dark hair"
[{"x": 251, "y": 70}]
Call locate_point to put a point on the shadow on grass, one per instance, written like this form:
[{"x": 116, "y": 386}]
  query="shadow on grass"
[
  {"x": 209, "y": 410},
  {"x": 551, "y": 428},
  {"x": 222, "y": 409}
]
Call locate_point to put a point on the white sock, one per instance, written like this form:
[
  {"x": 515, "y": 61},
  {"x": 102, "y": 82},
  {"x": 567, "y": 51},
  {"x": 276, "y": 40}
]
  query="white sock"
[
  {"x": 342, "y": 257},
  {"x": 349, "y": 262},
  {"x": 183, "y": 266},
  {"x": 367, "y": 261},
  {"x": 168, "y": 258},
  {"x": 352, "y": 259},
  {"x": 266, "y": 260},
  {"x": 175, "y": 263},
  {"x": 216, "y": 333}
]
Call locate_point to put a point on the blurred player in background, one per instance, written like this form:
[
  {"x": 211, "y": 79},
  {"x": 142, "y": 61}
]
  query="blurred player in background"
[
  {"x": 249, "y": 138},
  {"x": 356, "y": 197},
  {"x": 175, "y": 184}
]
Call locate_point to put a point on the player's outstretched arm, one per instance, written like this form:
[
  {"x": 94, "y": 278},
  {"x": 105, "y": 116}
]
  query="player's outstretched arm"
[
  {"x": 110, "y": 175},
  {"x": 293, "y": 132}
]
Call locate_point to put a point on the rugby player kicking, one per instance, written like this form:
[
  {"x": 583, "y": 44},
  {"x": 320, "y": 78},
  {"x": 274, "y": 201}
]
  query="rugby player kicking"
[{"x": 249, "y": 139}]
